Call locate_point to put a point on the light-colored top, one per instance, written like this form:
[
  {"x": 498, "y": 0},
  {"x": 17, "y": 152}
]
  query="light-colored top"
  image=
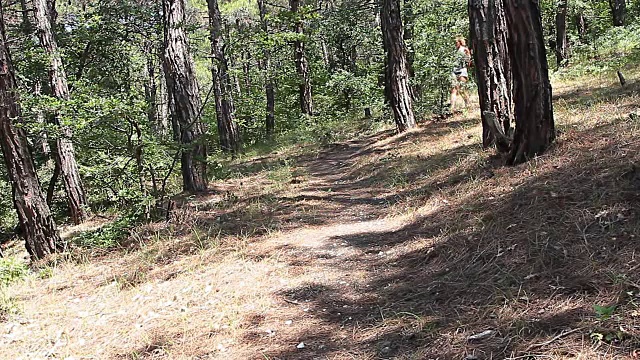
[{"x": 461, "y": 61}]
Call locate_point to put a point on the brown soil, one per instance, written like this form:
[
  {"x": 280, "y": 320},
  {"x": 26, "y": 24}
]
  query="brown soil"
[{"x": 383, "y": 247}]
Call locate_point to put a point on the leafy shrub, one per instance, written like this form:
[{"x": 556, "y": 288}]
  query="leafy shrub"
[{"x": 11, "y": 269}]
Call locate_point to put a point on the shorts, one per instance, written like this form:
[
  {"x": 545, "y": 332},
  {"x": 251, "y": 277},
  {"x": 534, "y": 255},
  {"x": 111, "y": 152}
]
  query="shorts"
[{"x": 456, "y": 80}]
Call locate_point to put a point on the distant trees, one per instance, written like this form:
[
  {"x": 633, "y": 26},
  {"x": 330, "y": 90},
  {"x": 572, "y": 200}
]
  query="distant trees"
[
  {"x": 618, "y": 11},
  {"x": 34, "y": 216},
  {"x": 397, "y": 87},
  {"x": 561, "y": 32},
  {"x": 184, "y": 98},
  {"x": 265, "y": 66},
  {"x": 300, "y": 58},
  {"x": 66, "y": 164},
  {"x": 225, "y": 111}
]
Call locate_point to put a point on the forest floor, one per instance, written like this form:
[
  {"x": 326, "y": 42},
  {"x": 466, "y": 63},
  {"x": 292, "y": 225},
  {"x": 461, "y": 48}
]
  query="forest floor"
[{"x": 411, "y": 246}]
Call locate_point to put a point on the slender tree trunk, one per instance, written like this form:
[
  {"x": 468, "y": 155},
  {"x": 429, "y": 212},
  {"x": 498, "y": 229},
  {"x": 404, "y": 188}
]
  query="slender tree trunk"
[
  {"x": 409, "y": 23},
  {"x": 302, "y": 65},
  {"x": 151, "y": 88},
  {"x": 561, "y": 33},
  {"x": 37, "y": 224},
  {"x": 184, "y": 93},
  {"x": 227, "y": 127},
  {"x": 65, "y": 153},
  {"x": 581, "y": 26},
  {"x": 618, "y": 11},
  {"x": 397, "y": 74},
  {"x": 270, "y": 121},
  {"x": 535, "y": 129},
  {"x": 488, "y": 29}
]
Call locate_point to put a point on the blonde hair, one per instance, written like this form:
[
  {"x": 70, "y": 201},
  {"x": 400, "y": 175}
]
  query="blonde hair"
[{"x": 461, "y": 40}]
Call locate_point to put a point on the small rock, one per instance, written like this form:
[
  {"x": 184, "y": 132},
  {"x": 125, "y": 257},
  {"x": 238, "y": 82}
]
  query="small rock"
[
  {"x": 288, "y": 322},
  {"x": 300, "y": 346}
]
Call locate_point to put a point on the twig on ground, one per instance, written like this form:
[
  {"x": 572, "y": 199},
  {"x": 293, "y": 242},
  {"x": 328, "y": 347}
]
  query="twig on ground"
[
  {"x": 290, "y": 301},
  {"x": 557, "y": 337},
  {"x": 529, "y": 356}
]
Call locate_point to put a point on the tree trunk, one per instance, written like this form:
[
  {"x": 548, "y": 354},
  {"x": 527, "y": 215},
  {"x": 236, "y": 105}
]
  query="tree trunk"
[
  {"x": 39, "y": 229},
  {"x": 581, "y": 26},
  {"x": 561, "y": 33},
  {"x": 397, "y": 73},
  {"x": 185, "y": 101},
  {"x": 64, "y": 154},
  {"x": 535, "y": 129},
  {"x": 619, "y": 11},
  {"x": 302, "y": 65},
  {"x": 488, "y": 29},
  {"x": 270, "y": 121},
  {"x": 151, "y": 88},
  {"x": 227, "y": 127},
  {"x": 409, "y": 23}
]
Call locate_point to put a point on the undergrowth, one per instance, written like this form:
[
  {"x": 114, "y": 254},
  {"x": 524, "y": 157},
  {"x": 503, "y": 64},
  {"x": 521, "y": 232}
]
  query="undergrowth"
[{"x": 618, "y": 48}]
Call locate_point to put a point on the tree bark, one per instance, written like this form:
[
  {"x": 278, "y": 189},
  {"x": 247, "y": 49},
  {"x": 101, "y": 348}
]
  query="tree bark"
[
  {"x": 618, "y": 11},
  {"x": 300, "y": 58},
  {"x": 488, "y": 29},
  {"x": 409, "y": 23},
  {"x": 34, "y": 216},
  {"x": 581, "y": 26},
  {"x": 185, "y": 103},
  {"x": 64, "y": 152},
  {"x": 561, "y": 33},
  {"x": 151, "y": 88},
  {"x": 265, "y": 64},
  {"x": 227, "y": 126},
  {"x": 535, "y": 129},
  {"x": 397, "y": 88}
]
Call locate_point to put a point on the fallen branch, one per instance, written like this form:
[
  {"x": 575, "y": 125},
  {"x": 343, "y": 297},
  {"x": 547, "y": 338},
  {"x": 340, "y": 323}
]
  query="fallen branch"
[
  {"x": 290, "y": 301},
  {"x": 560, "y": 336}
]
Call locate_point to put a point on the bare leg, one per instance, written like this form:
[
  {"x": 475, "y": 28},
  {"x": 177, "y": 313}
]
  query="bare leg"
[
  {"x": 463, "y": 91},
  {"x": 454, "y": 97}
]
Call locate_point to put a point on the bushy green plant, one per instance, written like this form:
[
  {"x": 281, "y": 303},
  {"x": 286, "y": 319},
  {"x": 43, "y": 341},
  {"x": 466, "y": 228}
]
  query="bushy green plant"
[{"x": 12, "y": 269}]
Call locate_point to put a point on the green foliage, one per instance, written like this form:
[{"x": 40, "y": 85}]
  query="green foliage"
[
  {"x": 615, "y": 49},
  {"x": 434, "y": 33},
  {"x": 604, "y": 312},
  {"x": 110, "y": 235},
  {"x": 12, "y": 269}
]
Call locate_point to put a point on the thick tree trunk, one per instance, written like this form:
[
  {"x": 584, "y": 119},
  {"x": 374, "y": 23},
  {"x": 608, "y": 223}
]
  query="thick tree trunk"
[
  {"x": 270, "y": 121},
  {"x": 488, "y": 29},
  {"x": 39, "y": 229},
  {"x": 561, "y": 33},
  {"x": 185, "y": 101},
  {"x": 397, "y": 88},
  {"x": 535, "y": 129},
  {"x": 64, "y": 154},
  {"x": 618, "y": 11},
  {"x": 302, "y": 65},
  {"x": 227, "y": 127}
]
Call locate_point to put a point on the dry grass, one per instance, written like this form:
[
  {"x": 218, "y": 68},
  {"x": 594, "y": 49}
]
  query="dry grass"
[{"x": 384, "y": 247}]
